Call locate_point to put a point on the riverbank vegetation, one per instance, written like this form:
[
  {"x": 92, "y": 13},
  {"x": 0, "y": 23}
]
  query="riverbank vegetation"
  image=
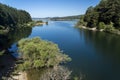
[
  {"x": 104, "y": 17},
  {"x": 7, "y": 56},
  {"x": 11, "y": 17},
  {"x": 37, "y": 53}
]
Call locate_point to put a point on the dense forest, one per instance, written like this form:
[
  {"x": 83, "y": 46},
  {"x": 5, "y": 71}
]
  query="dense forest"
[
  {"x": 106, "y": 15},
  {"x": 12, "y": 17}
]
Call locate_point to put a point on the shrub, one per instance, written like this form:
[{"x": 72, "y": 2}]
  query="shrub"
[
  {"x": 39, "y": 53},
  {"x": 101, "y": 25},
  {"x": 109, "y": 28}
]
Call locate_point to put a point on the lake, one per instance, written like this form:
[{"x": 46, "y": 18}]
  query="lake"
[{"x": 95, "y": 55}]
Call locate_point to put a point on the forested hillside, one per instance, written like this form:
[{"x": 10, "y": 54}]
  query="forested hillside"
[
  {"x": 11, "y": 17},
  {"x": 65, "y": 18},
  {"x": 106, "y": 15}
]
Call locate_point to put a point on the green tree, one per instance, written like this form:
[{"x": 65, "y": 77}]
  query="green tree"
[
  {"x": 106, "y": 11},
  {"x": 11, "y": 17},
  {"x": 38, "y": 53},
  {"x": 93, "y": 20},
  {"x": 81, "y": 21},
  {"x": 88, "y": 14},
  {"x": 109, "y": 28},
  {"x": 101, "y": 25}
]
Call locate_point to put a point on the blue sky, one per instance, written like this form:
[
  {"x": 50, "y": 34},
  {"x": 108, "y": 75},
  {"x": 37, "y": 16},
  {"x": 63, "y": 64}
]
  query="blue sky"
[{"x": 52, "y": 8}]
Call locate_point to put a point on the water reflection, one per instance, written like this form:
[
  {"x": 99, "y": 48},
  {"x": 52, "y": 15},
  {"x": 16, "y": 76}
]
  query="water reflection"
[
  {"x": 6, "y": 40},
  {"x": 7, "y": 61},
  {"x": 57, "y": 73},
  {"x": 102, "y": 55},
  {"x": 105, "y": 44}
]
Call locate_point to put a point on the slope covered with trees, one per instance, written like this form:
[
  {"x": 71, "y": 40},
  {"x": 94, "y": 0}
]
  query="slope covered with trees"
[
  {"x": 65, "y": 18},
  {"x": 11, "y": 17},
  {"x": 106, "y": 15}
]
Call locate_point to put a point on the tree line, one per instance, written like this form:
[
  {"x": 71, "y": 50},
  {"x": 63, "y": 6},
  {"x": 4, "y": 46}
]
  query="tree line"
[
  {"x": 65, "y": 18},
  {"x": 11, "y": 17},
  {"x": 106, "y": 13}
]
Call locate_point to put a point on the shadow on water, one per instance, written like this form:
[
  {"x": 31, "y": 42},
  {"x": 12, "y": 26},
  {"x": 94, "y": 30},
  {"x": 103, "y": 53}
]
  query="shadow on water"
[
  {"x": 104, "y": 44},
  {"x": 7, "y": 60},
  {"x": 103, "y": 62}
]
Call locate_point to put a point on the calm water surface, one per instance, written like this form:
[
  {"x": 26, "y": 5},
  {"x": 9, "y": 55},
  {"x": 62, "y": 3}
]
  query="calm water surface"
[{"x": 96, "y": 55}]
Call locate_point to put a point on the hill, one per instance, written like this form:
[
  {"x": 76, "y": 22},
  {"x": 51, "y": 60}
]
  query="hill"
[
  {"x": 65, "y": 18},
  {"x": 11, "y": 17},
  {"x": 105, "y": 15}
]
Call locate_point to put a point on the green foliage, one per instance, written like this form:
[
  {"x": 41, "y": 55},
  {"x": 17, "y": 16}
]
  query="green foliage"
[
  {"x": 93, "y": 20},
  {"x": 40, "y": 53},
  {"x": 88, "y": 14},
  {"x": 106, "y": 11},
  {"x": 81, "y": 21},
  {"x": 2, "y": 52},
  {"x": 65, "y": 18},
  {"x": 109, "y": 28},
  {"x": 25, "y": 66},
  {"x": 91, "y": 17},
  {"x": 101, "y": 25},
  {"x": 11, "y": 17},
  {"x": 13, "y": 36},
  {"x": 76, "y": 78}
]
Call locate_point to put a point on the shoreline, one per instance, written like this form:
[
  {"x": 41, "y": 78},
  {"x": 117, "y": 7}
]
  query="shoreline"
[
  {"x": 115, "y": 31},
  {"x": 84, "y": 27},
  {"x": 35, "y": 23}
]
